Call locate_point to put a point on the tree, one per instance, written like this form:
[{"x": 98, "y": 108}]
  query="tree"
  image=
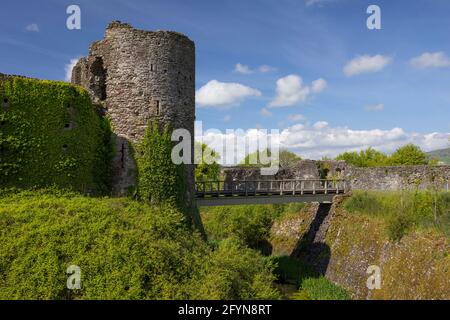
[
  {"x": 365, "y": 158},
  {"x": 288, "y": 158},
  {"x": 207, "y": 168},
  {"x": 263, "y": 159},
  {"x": 409, "y": 154}
]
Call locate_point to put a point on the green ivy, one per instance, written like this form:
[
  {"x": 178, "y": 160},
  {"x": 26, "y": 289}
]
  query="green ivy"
[
  {"x": 50, "y": 134},
  {"x": 160, "y": 180}
]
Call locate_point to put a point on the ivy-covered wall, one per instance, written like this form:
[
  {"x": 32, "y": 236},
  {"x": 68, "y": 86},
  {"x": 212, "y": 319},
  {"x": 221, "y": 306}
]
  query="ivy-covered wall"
[{"x": 51, "y": 134}]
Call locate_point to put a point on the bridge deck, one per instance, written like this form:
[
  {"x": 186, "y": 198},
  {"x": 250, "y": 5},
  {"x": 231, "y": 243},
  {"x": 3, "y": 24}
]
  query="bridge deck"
[{"x": 219, "y": 193}]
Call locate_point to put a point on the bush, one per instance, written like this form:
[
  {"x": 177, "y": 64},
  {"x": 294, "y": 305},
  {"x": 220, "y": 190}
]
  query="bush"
[
  {"x": 249, "y": 223},
  {"x": 125, "y": 249},
  {"x": 398, "y": 226},
  {"x": 236, "y": 273}
]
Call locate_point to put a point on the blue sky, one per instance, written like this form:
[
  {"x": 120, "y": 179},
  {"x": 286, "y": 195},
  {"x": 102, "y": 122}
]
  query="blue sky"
[{"x": 327, "y": 100}]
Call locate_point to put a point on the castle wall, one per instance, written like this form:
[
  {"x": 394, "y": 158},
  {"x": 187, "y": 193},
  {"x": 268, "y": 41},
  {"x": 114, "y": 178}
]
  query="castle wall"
[
  {"x": 140, "y": 76},
  {"x": 372, "y": 178},
  {"x": 398, "y": 178}
]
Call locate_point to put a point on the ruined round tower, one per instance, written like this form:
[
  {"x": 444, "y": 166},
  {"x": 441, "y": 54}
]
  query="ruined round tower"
[{"x": 138, "y": 76}]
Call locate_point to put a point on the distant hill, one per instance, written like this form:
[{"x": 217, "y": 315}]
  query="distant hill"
[{"x": 442, "y": 155}]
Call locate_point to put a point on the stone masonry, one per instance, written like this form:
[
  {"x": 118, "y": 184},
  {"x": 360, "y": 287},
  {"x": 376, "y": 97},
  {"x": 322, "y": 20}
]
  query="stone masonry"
[
  {"x": 372, "y": 178},
  {"x": 140, "y": 76}
]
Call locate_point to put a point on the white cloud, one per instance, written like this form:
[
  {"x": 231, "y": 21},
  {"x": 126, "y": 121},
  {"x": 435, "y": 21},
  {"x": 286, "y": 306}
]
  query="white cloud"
[
  {"x": 223, "y": 95},
  {"x": 290, "y": 91},
  {"x": 32, "y": 28},
  {"x": 318, "y": 85},
  {"x": 376, "y": 107},
  {"x": 366, "y": 64},
  {"x": 296, "y": 117},
  {"x": 310, "y": 3},
  {"x": 265, "y": 68},
  {"x": 431, "y": 60},
  {"x": 244, "y": 69},
  {"x": 316, "y": 141},
  {"x": 68, "y": 69},
  {"x": 265, "y": 112},
  {"x": 319, "y": 125},
  {"x": 241, "y": 68}
]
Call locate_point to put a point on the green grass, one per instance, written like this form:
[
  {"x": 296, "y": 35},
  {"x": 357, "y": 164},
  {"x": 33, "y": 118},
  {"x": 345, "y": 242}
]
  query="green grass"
[
  {"x": 404, "y": 211},
  {"x": 291, "y": 270},
  {"x": 320, "y": 289},
  {"x": 125, "y": 249},
  {"x": 312, "y": 286}
]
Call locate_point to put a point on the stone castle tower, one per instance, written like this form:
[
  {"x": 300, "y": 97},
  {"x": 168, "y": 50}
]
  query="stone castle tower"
[{"x": 139, "y": 76}]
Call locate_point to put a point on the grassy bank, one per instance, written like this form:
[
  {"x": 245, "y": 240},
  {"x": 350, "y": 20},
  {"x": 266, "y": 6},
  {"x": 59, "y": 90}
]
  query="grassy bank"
[
  {"x": 404, "y": 212},
  {"x": 405, "y": 234},
  {"x": 125, "y": 249}
]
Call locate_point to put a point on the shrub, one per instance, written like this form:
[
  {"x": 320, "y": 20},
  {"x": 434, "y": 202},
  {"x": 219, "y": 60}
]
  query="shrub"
[
  {"x": 125, "y": 249},
  {"x": 235, "y": 272},
  {"x": 249, "y": 223},
  {"x": 398, "y": 226}
]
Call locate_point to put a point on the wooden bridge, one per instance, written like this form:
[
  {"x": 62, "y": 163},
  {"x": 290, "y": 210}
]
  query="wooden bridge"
[{"x": 222, "y": 193}]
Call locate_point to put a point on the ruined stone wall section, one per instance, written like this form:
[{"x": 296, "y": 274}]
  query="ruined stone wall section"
[
  {"x": 399, "y": 178},
  {"x": 373, "y": 178}
]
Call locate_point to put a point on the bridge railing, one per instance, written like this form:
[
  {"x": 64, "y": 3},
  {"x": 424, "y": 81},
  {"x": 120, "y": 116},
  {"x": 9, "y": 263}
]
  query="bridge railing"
[{"x": 270, "y": 187}]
